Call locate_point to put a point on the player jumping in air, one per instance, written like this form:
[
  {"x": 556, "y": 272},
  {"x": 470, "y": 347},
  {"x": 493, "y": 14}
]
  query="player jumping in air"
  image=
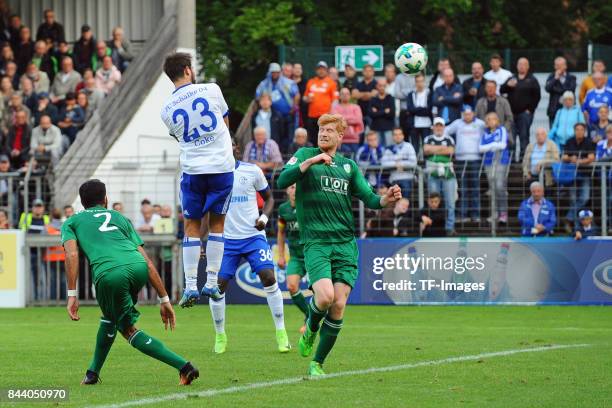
[
  {"x": 245, "y": 237},
  {"x": 288, "y": 227},
  {"x": 120, "y": 268},
  {"x": 325, "y": 182},
  {"x": 196, "y": 116}
]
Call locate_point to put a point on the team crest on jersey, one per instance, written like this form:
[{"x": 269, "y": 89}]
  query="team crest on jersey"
[
  {"x": 292, "y": 161},
  {"x": 347, "y": 168},
  {"x": 243, "y": 180}
]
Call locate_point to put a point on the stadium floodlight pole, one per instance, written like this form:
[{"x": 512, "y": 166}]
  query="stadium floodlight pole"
[{"x": 185, "y": 13}]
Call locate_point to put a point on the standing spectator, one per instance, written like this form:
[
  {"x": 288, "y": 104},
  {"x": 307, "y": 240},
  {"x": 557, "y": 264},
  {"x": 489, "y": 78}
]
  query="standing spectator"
[
  {"x": 121, "y": 49},
  {"x": 4, "y": 221},
  {"x": 118, "y": 206},
  {"x": 24, "y": 51},
  {"x": 565, "y": 119},
  {"x": 557, "y": 83},
  {"x": 63, "y": 50},
  {"x": 390, "y": 77},
  {"x": 468, "y": 132},
  {"x": 43, "y": 60},
  {"x": 271, "y": 121},
  {"x": 45, "y": 107},
  {"x": 40, "y": 79},
  {"x": 87, "y": 73},
  {"x": 598, "y": 131},
  {"x": 381, "y": 111},
  {"x": 495, "y": 103},
  {"x": 334, "y": 76},
  {"x": 14, "y": 27},
  {"x": 596, "y": 98},
  {"x": 287, "y": 70},
  {"x": 370, "y": 154},
  {"x": 473, "y": 87},
  {"x": 11, "y": 73},
  {"x": 5, "y": 167},
  {"x": 351, "y": 112},
  {"x": 65, "y": 81},
  {"x": 494, "y": 145},
  {"x": 18, "y": 140},
  {"x": 448, "y": 98},
  {"x": 68, "y": 212},
  {"x": 364, "y": 91},
  {"x": 538, "y": 155},
  {"x": 418, "y": 107},
  {"x": 439, "y": 149},
  {"x": 404, "y": 85},
  {"x": 432, "y": 219},
  {"x": 298, "y": 78},
  {"x": 604, "y": 154},
  {"x": 15, "y": 105},
  {"x": 585, "y": 228},
  {"x": 537, "y": 215},
  {"x": 95, "y": 96},
  {"x": 497, "y": 74},
  {"x": 46, "y": 142},
  {"x": 107, "y": 76},
  {"x": 84, "y": 49},
  {"x": 320, "y": 94},
  {"x": 579, "y": 150},
  {"x": 55, "y": 257},
  {"x": 146, "y": 222},
  {"x": 437, "y": 79},
  {"x": 263, "y": 151},
  {"x": 83, "y": 102},
  {"x": 300, "y": 139},
  {"x": 28, "y": 94},
  {"x": 6, "y": 91},
  {"x": 34, "y": 222},
  {"x": 50, "y": 29},
  {"x": 6, "y": 56},
  {"x": 587, "y": 82},
  {"x": 71, "y": 117},
  {"x": 523, "y": 92},
  {"x": 350, "y": 77},
  {"x": 102, "y": 50},
  {"x": 401, "y": 157}
]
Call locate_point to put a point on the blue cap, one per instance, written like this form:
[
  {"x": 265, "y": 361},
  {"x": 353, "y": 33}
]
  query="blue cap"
[
  {"x": 585, "y": 214},
  {"x": 467, "y": 108}
]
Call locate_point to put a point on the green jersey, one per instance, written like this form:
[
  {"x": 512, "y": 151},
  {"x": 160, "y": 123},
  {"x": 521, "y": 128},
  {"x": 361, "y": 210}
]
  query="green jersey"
[
  {"x": 324, "y": 196},
  {"x": 107, "y": 238},
  {"x": 287, "y": 216}
]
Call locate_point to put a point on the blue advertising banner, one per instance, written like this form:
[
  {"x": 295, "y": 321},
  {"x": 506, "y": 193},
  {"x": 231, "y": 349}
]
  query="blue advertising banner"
[{"x": 468, "y": 271}]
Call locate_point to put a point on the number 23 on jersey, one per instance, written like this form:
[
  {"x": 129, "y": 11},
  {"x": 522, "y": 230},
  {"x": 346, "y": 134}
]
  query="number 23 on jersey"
[{"x": 199, "y": 105}]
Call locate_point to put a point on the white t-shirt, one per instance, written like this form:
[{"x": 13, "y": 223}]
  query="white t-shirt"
[
  {"x": 194, "y": 116},
  {"x": 243, "y": 212},
  {"x": 500, "y": 77}
]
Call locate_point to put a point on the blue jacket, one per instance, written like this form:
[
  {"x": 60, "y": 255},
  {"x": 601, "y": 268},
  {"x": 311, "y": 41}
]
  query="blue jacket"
[
  {"x": 594, "y": 100},
  {"x": 417, "y": 110},
  {"x": 282, "y": 92},
  {"x": 563, "y": 126},
  {"x": 449, "y": 102},
  {"x": 493, "y": 142},
  {"x": 547, "y": 217}
]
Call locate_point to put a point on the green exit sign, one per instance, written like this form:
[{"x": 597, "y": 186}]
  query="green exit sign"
[{"x": 359, "y": 55}]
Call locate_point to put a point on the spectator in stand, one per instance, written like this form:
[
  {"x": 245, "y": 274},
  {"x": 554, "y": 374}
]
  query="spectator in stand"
[
  {"x": 298, "y": 78},
  {"x": 579, "y": 150},
  {"x": 46, "y": 143},
  {"x": 6, "y": 91},
  {"x": 83, "y": 102},
  {"x": 146, "y": 222},
  {"x": 50, "y": 29},
  {"x": 536, "y": 214},
  {"x": 45, "y": 107},
  {"x": 65, "y": 81},
  {"x": 68, "y": 212},
  {"x": 157, "y": 209},
  {"x": 5, "y": 167},
  {"x": 43, "y": 60},
  {"x": 320, "y": 94},
  {"x": 364, "y": 91},
  {"x": 404, "y": 84},
  {"x": 287, "y": 70},
  {"x": 418, "y": 107},
  {"x": 523, "y": 93},
  {"x": 439, "y": 149},
  {"x": 334, "y": 76},
  {"x": 84, "y": 49},
  {"x": 604, "y": 154},
  {"x": 300, "y": 139},
  {"x": 468, "y": 132},
  {"x": 565, "y": 119},
  {"x": 87, "y": 73},
  {"x": 587, "y": 82},
  {"x": 390, "y": 77},
  {"x": 262, "y": 151},
  {"x": 495, "y": 103},
  {"x": 557, "y": 83},
  {"x": 271, "y": 121},
  {"x": 24, "y": 51},
  {"x": 15, "y": 105},
  {"x": 598, "y": 131},
  {"x": 4, "y": 221},
  {"x": 448, "y": 98},
  {"x": 6, "y": 56},
  {"x": 432, "y": 219},
  {"x": 473, "y": 87},
  {"x": 107, "y": 76},
  {"x": 63, "y": 50},
  {"x": 352, "y": 114},
  {"x": 95, "y": 96},
  {"x": 437, "y": 79},
  {"x": 34, "y": 222},
  {"x": 14, "y": 27},
  {"x": 496, "y": 160},
  {"x": 55, "y": 257},
  {"x": 586, "y": 228},
  {"x": 102, "y": 50},
  {"x": 350, "y": 77},
  {"x": 18, "y": 141},
  {"x": 11, "y": 73},
  {"x": 381, "y": 111},
  {"x": 596, "y": 98},
  {"x": 121, "y": 49},
  {"x": 391, "y": 221},
  {"x": 28, "y": 94},
  {"x": 497, "y": 74},
  {"x": 370, "y": 154},
  {"x": 40, "y": 79},
  {"x": 401, "y": 157},
  {"x": 118, "y": 206},
  {"x": 71, "y": 117},
  {"x": 538, "y": 156}
]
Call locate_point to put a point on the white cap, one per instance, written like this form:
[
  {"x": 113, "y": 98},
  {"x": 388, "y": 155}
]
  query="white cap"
[
  {"x": 438, "y": 121},
  {"x": 274, "y": 67}
]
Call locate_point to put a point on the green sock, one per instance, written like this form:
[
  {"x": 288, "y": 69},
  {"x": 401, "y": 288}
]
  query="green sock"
[
  {"x": 106, "y": 336},
  {"x": 314, "y": 315},
  {"x": 328, "y": 336},
  {"x": 300, "y": 301},
  {"x": 156, "y": 349}
]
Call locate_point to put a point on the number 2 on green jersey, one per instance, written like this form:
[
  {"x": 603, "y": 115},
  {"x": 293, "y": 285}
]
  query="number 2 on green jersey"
[{"x": 104, "y": 227}]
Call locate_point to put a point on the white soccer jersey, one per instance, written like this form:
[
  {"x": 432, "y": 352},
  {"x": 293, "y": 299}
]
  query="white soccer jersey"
[
  {"x": 194, "y": 116},
  {"x": 243, "y": 212}
]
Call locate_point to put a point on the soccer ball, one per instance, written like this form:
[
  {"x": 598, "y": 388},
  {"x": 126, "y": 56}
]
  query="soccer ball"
[{"x": 411, "y": 58}]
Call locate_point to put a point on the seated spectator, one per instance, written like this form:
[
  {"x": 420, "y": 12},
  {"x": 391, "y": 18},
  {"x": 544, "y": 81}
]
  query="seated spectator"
[
  {"x": 5, "y": 167},
  {"x": 107, "y": 76},
  {"x": 147, "y": 218},
  {"x": 14, "y": 106},
  {"x": 391, "y": 221},
  {"x": 50, "y": 29},
  {"x": 71, "y": 117},
  {"x": 556, "y": 84},
  {"x": 536, "y": 214},
  {"x": 102, "y": 50},
  {"x": 586, "y": 228},
  {"x": 365, "y": 90},
  {"x": 121, "y": 49},
  {"x": 401, "y": 157},
  {"x": 603, "y": 153},
  {"x": 351, "y": 112},
  {"x": 271, "y": 120},
  {"x": 87, "y": 74},
  {"x": 68, "y": 212},
  {"x": 598, "y": 131},
  {"x": 40, "y": 79},
  {"x": 84, "y": 49},
  {"x": 587, "y": 82},
  {"x": 6, "y": 91},
  {"x": 11, "y": 73},
  {"x": 65, "y": 81},
  {"x": 263, "y": 151},
  {"x": 565, "y": 119},
  {"x": 439, "y": 149},
  {"x": 448, "y": 98},
  {"x": 418, "y": 107},
  {"x": 63, "y": 50},
  {"x": 28, "y": 94},
  {"x": 4, "y": 220},
  {"x": 18, "y": 141},
  {"x": 378, "y": 223},
  {"x": 473, "y": 87},
  {"x": 497, "y": 74},
  {"x": 496, "y": 160},
  {"x": 94, "y": 95},
  {"x": 539, "y": 155},
  {"x": 381, "y": 110},
  {"x": 43, "y": 60},
  {"x": 46, "y": 143},
  {"x": 6, "y": 56},
  {"x": 597, "y": 97},
  {"x": 45, "y": 107},
  {"x": 300, "y": 139},
  {"x": 83, "y": 103},
  {"x": 495, "y": 103},
  {"x": 24, "y": 51},
  {"x": 432, "y": 219},
  {"x": 370, "y": 154}
]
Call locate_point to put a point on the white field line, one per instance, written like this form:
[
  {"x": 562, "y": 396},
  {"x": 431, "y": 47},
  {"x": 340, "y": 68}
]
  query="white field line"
[{"x": 295, "y": 380}]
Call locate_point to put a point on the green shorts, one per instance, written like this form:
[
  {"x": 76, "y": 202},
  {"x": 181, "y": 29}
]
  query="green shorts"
[
  {"x": 296, "y": 267},
  {"x": 117, "y": 294},
  {"x": 335, "y": 261}
]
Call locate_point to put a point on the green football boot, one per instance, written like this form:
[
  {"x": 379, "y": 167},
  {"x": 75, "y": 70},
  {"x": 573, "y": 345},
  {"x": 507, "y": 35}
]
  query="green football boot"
[
  {"x": 283, "y": 341},
  {"x": 220, "y": 343},
  {"x": 315, "y": 369},
  {"x": 307, "y": 342}
]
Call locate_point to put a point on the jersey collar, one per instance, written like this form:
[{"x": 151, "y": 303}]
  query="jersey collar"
[{"x": 182, "y": 86}]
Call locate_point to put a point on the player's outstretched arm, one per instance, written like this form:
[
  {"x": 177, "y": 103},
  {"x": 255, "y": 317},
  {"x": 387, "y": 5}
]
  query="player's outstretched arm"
[
  {"x": 362, "y": 190},
  {"x": 72, "y": 273},
  {"x": 166, "y": 311}
]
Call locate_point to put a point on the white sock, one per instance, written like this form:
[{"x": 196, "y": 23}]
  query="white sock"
[
  {"x": 217, "y": 309},
  {"x": 214, "y": 255},
  {"x": 275, "y": 302},
  {"x": 191, "y": 257}
]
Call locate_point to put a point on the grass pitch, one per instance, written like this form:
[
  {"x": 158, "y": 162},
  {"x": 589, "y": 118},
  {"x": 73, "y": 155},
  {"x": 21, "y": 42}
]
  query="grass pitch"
[{"x": 41, "y": 347}]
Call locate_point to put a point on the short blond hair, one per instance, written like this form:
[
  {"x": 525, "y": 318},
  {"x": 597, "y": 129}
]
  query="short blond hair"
[{"x": 333, "y": 118}]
